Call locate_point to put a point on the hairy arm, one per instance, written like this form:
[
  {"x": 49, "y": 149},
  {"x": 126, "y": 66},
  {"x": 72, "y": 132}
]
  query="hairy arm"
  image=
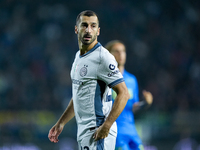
[
  {"x": 55, "y": 131},
  {"x": 68, "y": 114},
  {"x": 118, "y": 106}
]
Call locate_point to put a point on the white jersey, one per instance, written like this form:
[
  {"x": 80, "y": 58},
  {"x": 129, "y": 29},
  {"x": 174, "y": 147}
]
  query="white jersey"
[{"x": 93, "y": 75}]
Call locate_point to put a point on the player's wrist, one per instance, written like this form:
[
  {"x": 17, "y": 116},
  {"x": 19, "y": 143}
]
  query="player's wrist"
[
  {"x": 107, "y": 125},
  {"x": 60, "y": 124},
  {"x": 143, "y": 104}
]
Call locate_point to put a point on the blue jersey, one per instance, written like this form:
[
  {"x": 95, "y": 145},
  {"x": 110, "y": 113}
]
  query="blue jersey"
[{"x": 125, "y": 121}]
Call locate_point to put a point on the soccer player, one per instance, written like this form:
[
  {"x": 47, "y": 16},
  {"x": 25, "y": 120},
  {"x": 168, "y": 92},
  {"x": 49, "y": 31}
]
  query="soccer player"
[
  {"x": 127, "y": 138},
  {"x": 94, "y": 72}
]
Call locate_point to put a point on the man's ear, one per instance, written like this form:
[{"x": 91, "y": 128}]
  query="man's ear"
[
  {"x": 76, "y": 30},
  {"x": 98, "y": 33}
]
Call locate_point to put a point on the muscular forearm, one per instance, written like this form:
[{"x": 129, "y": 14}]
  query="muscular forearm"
[
  {"x": 118, "y": 106},
  {"x": 67, "y": 115}
]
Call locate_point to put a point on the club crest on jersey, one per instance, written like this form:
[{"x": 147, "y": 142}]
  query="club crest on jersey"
[
  {"x": 83, "y": 71},
  {"x": 111, "y": 67}
]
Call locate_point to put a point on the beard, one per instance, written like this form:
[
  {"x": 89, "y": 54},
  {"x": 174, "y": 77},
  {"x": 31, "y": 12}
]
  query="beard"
[{"x": 87, "y": 42}]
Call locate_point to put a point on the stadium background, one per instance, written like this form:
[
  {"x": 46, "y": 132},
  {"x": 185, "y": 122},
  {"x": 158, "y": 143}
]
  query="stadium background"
[{"x": 37, "y": 48}]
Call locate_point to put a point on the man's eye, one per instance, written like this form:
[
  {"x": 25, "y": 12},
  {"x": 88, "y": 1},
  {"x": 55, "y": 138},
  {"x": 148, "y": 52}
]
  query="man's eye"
[{"x": 84, "y": 25}]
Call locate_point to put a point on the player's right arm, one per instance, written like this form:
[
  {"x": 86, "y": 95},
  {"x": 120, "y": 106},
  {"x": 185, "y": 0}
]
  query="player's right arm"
[
  {"x": 55, "y": 131},
  {"x": 118, "y": 106}
]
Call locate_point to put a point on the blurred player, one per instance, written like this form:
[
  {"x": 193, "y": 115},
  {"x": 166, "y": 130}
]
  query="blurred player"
[
  {"x": 94, "y": 72},
  {"x": 127, "y": 138}
]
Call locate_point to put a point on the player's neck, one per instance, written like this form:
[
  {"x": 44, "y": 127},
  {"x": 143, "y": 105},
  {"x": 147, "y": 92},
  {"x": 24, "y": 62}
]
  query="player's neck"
[
  {"x": 121, "y": 68},
  {"x": 85, "y": 48}
]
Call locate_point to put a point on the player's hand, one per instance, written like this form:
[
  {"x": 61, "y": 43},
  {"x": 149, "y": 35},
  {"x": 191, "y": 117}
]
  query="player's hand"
[
  {"x": 148, "y": 97},
  {"x": 101, "y": 133},
  {"x": 54, "y": 132}
]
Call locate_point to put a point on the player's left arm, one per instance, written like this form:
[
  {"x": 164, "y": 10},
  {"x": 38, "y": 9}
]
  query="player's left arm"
[
  {"x": 145, "y": 103},
  {"x": 118, "y": 106}
]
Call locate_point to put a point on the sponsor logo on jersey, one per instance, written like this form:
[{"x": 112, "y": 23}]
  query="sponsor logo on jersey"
[
  {"x": 78, "y": 82},
  {"x": 112, "y": 67},
  {"x": 83, "y": 71},
  {"x": 113, "y": 73}
]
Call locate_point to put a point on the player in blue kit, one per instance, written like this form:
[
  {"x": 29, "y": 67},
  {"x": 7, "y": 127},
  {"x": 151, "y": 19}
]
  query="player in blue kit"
[
  {"x": 94, "y": 72},
  {"x": 127, "y": 138}
]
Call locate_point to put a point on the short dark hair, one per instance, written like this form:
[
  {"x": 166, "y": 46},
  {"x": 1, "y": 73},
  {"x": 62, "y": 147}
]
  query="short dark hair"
[
  {"x": 110, "y": 44},
  {"x": 86, "y": 13}
]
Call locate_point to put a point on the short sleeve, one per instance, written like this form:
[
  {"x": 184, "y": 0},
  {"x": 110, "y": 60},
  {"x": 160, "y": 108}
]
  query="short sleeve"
[{"x": 108, "y": 70}]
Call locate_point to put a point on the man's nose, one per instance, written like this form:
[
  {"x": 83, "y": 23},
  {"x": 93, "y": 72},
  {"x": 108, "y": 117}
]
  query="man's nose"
[{"x": 88, "y": 29}]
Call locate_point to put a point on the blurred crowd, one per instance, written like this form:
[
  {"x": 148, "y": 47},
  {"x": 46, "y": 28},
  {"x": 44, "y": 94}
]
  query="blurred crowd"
[{"x": 38, "y": 44}]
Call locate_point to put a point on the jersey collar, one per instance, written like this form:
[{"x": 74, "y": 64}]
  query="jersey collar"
[{"x": 90, "y": 51}]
